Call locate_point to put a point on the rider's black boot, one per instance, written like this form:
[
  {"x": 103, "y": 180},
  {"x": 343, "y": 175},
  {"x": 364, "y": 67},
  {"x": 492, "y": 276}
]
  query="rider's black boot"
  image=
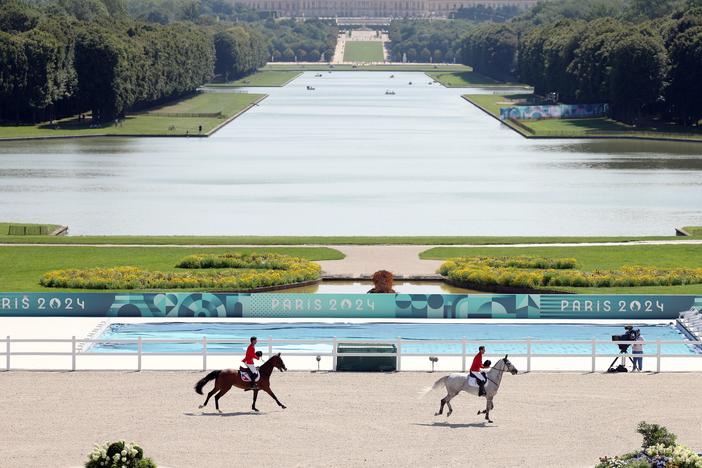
[{"x": 481, "y": 390}]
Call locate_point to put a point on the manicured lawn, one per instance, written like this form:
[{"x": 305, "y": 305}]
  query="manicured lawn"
[
  {"x": 23, "y": 266},
  {"x": 363, "y": 51},
  {"x": 147, "y": 124},
  {"x": 408, "y": 67},
  {"x": 577, "y": 128},
  {"x": 604, "y": 257},
  {"x": 693, "y": 230},
  {"x": 260, "y": 78},
  {"x": 5, "y": 228},
  {"x": 321, "y": 240},
  {"x": 466, "y": 79}
]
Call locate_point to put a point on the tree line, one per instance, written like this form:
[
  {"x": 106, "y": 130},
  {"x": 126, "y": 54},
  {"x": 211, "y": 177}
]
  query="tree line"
[
  {"x": 67, "y": 57},
  {"x": 640, "y": 63}
]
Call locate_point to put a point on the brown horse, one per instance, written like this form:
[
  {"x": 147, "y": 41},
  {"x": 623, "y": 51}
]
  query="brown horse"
[{"x": 225, "y": 379}]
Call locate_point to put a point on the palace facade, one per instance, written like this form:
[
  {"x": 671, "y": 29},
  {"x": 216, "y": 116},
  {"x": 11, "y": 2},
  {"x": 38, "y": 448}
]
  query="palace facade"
[{"x": 373, "y": 8}]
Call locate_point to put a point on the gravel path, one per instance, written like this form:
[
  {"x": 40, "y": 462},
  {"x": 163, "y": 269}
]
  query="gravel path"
[{"x": 340, "y": 420}]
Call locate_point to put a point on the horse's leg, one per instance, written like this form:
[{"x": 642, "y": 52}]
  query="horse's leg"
[
  {"x": 488, "y": 407},
  {"x": 209, "y": 395},
  {"x": 220, "y": 395},
  {"x": 270, "y": 392},
  {"x": 448, "y": 403},
  {"x": 441, "y": 409},
  {"x": 253, "y": 405}
]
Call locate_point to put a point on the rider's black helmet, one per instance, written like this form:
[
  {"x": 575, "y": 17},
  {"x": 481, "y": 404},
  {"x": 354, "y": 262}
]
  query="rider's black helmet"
[{"x": 487, "y": 363}]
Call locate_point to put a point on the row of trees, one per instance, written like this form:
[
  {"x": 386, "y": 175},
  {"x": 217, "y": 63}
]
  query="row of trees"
[
  {"x": 54, "y": 64},
  {"x": 285, "y": 40},
  {"x": 427, "y": 41},
  {"x": 637, "y": 64}
]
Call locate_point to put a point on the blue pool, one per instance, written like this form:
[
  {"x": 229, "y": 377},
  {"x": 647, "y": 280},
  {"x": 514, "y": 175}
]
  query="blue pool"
[{"x": 381, "y": 331}]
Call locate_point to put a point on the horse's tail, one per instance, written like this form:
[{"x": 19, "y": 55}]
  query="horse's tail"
[
  {"x": 436, "y": 385},
  {"x": 203, "y": 381}
]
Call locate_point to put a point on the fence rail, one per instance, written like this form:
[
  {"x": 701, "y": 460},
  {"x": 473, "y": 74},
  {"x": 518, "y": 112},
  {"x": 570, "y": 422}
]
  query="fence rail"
[{"x": 204, "y": 351}]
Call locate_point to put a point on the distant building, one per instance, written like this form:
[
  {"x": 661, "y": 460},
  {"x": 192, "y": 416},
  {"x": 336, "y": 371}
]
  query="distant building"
[{"x": 373, "y": 8}]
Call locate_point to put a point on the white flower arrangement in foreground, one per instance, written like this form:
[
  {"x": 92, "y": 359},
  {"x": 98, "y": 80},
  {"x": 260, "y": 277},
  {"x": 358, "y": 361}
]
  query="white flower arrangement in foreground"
[{"x": 119, "y": 454}]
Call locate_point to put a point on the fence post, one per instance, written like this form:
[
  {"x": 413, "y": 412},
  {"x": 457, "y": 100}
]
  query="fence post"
[
  {"x": 204, "y": 353},
  {"x": 334, "y": 354},
  {"x": 594, "y": 352},
  {"x": 7, "y": 356},
  {"x": 528, "y": 354},
  {"x": 658, "y": 355},
  {"x": 270, "y": 346},
  {"x": 139, "y": 354},
  {"x": 463, "y": 354},
  {"x": 399, "y": 354},
  {"x": 73, "y": 353}
]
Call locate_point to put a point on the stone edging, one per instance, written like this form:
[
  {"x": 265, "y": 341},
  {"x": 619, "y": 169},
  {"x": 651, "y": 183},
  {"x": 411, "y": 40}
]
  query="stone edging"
[
  {"x": 218, "y": 127},
  {"x": 496, "y": 288}
]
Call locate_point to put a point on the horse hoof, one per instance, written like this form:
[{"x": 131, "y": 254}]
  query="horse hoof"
[
  {"x": 437, "y": 414},
  {"x": 255, "y": 409},
  {"x": 283, "y": 406},
  {"x": 489, "y": 420},
  {"x": 201, "y": 406},
  {"x": 219, "y": 411}
]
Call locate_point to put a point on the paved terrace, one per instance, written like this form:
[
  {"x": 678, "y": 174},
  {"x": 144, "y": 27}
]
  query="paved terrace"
[{"x": 541, "y": 420}]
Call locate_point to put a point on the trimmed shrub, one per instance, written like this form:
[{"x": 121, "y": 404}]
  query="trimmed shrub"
[
  {"x": 269, "y": 261},
  {"x": 119, "y": 454},
  {"x": 539, "y": 272}
]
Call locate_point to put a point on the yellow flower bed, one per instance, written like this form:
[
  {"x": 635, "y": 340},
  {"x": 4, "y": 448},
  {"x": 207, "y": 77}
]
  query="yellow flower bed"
[
  {"x": 244, "y": 260},
  {"x": 245, "y": 278},
  {"x": 539, "y": 272}
]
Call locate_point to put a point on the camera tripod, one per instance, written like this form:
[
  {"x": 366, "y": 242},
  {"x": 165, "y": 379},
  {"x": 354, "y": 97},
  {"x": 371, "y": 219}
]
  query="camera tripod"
[{"x": 622, "y": 366}]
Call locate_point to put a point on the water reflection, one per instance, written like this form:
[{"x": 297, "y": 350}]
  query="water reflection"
[
  {"x": 348, "y": 159},
  {"x": 362, "y": 287}
]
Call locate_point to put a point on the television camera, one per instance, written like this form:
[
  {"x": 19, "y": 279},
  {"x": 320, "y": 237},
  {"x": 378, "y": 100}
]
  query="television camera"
[{"x": 629, "y": 334}]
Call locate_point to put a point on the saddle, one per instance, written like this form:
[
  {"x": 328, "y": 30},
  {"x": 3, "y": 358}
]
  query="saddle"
[
  {"x": 244, "y": 375},
  {"x": 472, "y": 382}
]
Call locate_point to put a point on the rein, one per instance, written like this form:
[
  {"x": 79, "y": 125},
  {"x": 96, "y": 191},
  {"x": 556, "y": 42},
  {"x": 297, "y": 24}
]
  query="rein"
[{"x": 502, "y": 371}]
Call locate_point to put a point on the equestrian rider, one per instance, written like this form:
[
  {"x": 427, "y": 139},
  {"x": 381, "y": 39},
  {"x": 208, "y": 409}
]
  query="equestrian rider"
[
  {"x": 249, "y": 361},
  {"x": 476, "y": 370}
]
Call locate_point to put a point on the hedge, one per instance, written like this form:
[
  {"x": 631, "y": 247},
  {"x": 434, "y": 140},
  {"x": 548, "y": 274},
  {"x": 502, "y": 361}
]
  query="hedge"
[{"x": 539, "y": 272}]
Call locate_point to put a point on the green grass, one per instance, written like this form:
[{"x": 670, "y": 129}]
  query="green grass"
[
  {"x": 578, "y": 128},
  {"x": 604, "y": 257},
  {"x": 269, "y": 78},
  {"x": 319, "y": 240},
  {"x": 407, "y": 67},
  {"x": 5, "y": 228},
  {"x": 23, "y": 266},
  {"x": 363, "y": 51},
  {"x": 147, "y": 124},
  {"x": 693, "y": 230},
  {"x": 466, "y": 79}
]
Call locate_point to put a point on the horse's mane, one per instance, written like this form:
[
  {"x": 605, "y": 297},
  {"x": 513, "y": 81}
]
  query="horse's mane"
[{"x": 269, "y": 362}]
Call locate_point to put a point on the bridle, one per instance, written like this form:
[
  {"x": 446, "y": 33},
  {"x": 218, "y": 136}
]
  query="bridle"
[{"x": 499, "y": 370}]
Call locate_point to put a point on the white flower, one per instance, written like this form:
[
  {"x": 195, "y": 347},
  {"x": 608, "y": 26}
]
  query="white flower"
[{"x": 124, "y": 453}]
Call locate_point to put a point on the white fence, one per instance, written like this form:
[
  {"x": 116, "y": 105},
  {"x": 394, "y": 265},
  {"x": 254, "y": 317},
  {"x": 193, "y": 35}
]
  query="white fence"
[{"x": 44, "y": 349}]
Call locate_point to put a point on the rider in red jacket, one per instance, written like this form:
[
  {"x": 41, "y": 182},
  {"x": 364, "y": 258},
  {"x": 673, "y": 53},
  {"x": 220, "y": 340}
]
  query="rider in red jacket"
[
  {"x": 249, "y": 361},
  {"x": 476, "y": 370}
]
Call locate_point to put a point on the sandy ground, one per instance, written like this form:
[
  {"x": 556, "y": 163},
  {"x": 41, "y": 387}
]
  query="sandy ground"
[{"x": 558, "y": 420}]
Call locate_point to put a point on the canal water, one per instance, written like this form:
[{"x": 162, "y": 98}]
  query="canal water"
[{"x": 348, "y": 159}]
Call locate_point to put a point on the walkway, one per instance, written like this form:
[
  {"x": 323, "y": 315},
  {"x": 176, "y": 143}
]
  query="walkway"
[{"x": 341, "y": 419}]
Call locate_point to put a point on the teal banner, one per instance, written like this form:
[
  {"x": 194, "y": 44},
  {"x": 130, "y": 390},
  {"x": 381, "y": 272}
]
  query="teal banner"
[{"x": 389, "y": 306}]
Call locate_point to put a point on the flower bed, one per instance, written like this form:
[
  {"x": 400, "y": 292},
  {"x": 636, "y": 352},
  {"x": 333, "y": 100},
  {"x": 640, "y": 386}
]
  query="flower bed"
[
  {"x": 120, "y": 454},
  {"x": 254, "y": 271},
  {"x": 540, "y": 272},
  {"x": 659, "y": 450},
  {"x": 244, "y": 260}
]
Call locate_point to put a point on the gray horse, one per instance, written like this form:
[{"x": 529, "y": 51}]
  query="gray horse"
[{"x": 457, "y": 383}]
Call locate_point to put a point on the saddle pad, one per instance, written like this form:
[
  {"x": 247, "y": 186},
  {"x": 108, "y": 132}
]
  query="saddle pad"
[
  {"x": 244, "y": 375},
  {"x": 472, "y": 382}
]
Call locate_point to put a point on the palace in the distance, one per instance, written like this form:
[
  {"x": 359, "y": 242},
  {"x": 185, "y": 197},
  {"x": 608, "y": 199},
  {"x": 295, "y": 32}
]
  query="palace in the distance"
[{"x": 373, "y": 8}]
